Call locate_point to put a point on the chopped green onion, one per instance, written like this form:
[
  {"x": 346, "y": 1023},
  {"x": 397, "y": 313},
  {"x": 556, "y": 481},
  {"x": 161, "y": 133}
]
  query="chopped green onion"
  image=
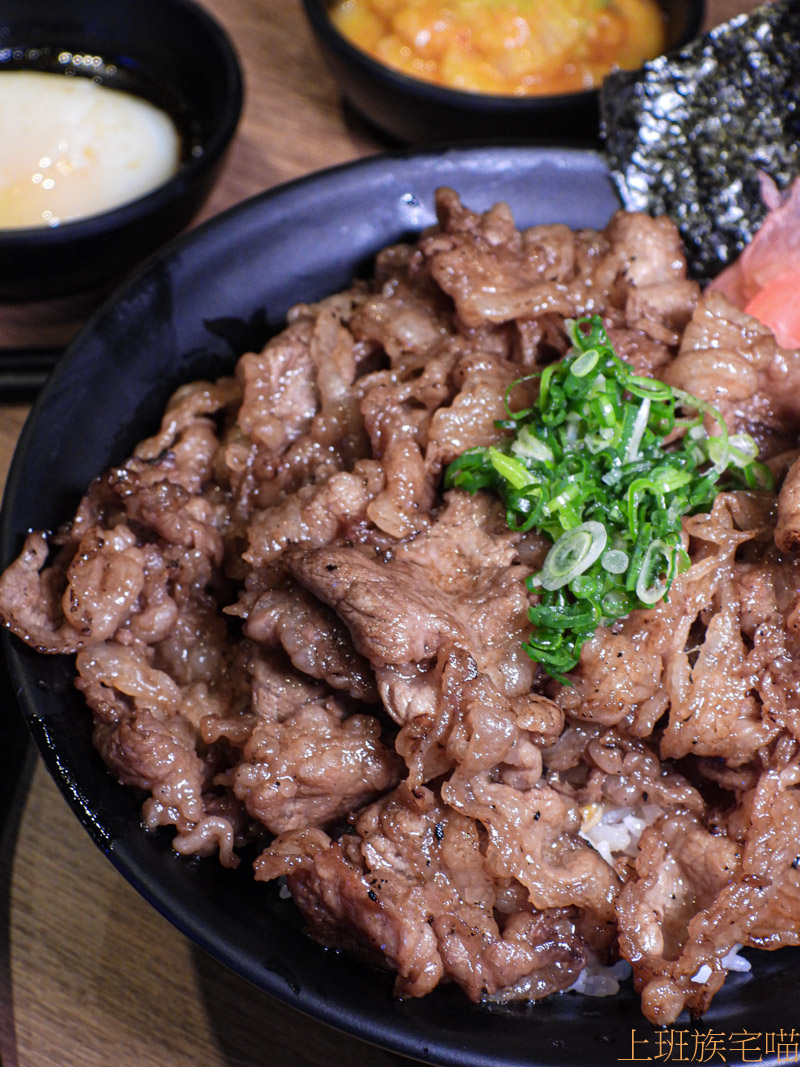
[
  {"x": 616, "y": 604},
  {"x": 587, "y": 465},
  {"x": 585, "y": 363},
  {"x": 514, "y": 472},
  {"x": 652, "y": 587},
  {"x": 573, "y": 553},
  {"x": 637, "y": 432},
  {"x": 526, "y": 446},
  {"x": 615, "y": 561}
]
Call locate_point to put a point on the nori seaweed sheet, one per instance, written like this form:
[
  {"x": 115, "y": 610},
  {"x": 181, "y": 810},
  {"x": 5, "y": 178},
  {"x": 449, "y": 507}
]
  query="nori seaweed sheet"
[{"x": 686, "y": 135}]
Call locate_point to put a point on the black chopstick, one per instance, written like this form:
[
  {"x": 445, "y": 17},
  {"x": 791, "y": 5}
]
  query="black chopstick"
[{"x": 23, "y": 371}]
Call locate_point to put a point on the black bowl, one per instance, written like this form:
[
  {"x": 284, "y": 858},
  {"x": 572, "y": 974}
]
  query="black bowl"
[
  {"x": 187, "y": 314},
  {"x": 413, "y": 111},
  {"x": 168, "y": 51}
]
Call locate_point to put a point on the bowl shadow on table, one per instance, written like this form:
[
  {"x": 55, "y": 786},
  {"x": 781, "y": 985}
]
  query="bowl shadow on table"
[
  {"x": 246, "y": 1021},
  {"x": 361, "y": 129}
]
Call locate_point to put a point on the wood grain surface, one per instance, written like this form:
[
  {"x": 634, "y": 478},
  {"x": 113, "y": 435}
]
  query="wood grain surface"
[{"x": 90, "y": 974}]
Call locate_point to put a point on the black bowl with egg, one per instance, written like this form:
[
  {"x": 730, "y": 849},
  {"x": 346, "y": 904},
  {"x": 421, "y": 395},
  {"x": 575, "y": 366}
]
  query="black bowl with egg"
[
  {"x": 171, "y": 53},
  {"x": 413, "y": 111}
]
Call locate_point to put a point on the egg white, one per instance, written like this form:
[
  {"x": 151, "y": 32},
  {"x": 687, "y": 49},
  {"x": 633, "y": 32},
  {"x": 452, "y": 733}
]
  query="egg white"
[{"x": 70, "y": 148}]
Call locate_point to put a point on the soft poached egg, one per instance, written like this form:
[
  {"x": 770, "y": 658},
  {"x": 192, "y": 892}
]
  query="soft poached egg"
[{"x": 70, "y": 147}]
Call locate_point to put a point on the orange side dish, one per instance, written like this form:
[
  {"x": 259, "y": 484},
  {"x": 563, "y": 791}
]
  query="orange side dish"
[{"x": 505, "y": 47}]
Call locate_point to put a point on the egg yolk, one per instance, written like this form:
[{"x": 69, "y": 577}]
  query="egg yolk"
[{"x": 72, "y": 148}]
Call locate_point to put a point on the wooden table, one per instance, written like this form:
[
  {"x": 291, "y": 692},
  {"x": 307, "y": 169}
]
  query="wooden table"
[{"x": 97, "y": 977}]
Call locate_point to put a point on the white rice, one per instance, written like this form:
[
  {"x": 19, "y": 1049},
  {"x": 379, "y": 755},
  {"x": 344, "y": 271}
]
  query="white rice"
[
  {"x": 616, "y": 830},
  {"x": 731, "y": 961},
  {"x": 598, "y": 981}
]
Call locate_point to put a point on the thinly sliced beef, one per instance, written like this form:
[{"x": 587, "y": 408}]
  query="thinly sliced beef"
[
  {"x": 285, "y": 625},
  {"x": 441, "y": 620},
  {"x": 697, "y": 896},
  {"x": 787, "y": 528},
  {"x": 729, "y": 359},
  {"x": 314, "y": 767},
  {"x": 410, "y": 888},
  {"x": 66, "y": 607},
  {"x": 496, "y": 274},
  {"x": 313, "y": 637},
  {"x": 702, "y": 658}
]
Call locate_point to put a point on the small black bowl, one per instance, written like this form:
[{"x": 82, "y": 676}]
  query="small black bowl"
[
  {"x": 413, "y": 111},
  {"x": 170, "y": 52}
]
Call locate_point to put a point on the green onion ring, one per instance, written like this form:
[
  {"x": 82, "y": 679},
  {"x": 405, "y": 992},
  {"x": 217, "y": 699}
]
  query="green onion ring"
[{"x": 573, "y": 553}]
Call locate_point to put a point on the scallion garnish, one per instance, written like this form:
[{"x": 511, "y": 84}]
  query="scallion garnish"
[{"x": 587, "y": 465}]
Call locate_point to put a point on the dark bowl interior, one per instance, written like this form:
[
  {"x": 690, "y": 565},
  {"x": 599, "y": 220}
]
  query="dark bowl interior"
[
  {"x": 168, "y": 51},
  {"x": 218, "y": 291},
  {"x": 411, "y": 111}
]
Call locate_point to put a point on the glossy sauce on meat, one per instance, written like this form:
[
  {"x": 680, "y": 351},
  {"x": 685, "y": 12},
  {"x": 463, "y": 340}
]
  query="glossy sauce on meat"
[{"x": 286, "y": 633}]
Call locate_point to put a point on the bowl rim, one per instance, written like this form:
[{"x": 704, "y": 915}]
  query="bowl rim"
[
  {"x": 317, "y": 15},
  {"x": 221, "y": 135}
]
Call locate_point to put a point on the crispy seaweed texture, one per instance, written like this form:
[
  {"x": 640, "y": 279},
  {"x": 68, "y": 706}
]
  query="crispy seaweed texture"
[{"x": 687, "y": 135}]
